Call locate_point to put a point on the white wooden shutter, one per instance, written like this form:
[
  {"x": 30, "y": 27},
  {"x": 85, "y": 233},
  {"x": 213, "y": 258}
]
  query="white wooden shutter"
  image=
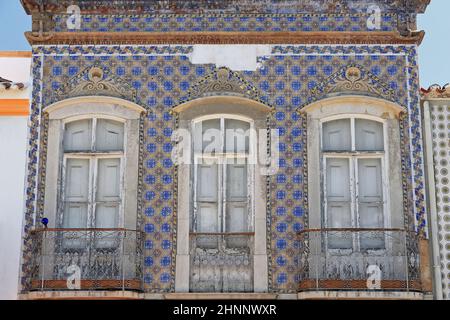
[
  {"x": 108, "y": 193},
  {"x": 237, "y": 136},
  {"x": 76, "y": 193},
  {"x": 337, "y": 135},
  {"x": 109, "y": 135},
  {"x": 78, "y": 136},
  {"x": 207, "y": 137},
  {"x": 236, "y": 203},
  {"x": 370, "y": 201},
  {"x": 207, "y": 203},
  {"x": 338, "y": 201},
  {"x": 368, "y": 135}
]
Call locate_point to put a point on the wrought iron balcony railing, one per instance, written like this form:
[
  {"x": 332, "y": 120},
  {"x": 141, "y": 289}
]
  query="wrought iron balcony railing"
[
  {"x": 86, "y": 259},
  {"x": 221, "y": 262},
  {"x": 357, "y": 259}
]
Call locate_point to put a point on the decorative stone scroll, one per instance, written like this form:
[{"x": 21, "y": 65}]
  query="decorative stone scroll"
[{"x": 95, "y": 81}]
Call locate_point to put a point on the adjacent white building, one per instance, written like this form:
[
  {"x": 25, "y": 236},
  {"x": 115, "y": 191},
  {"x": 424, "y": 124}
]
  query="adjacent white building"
[
  {"x": 15, "y": 90},
  {"x": 436, "y": 126}
]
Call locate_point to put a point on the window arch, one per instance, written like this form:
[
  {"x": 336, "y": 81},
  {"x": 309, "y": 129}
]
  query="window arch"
[
  {"x": 221, "y": 199},
  {"x": 93, "y": 143},
  {"x": 354, "y": 179},
  {"x": 349, "y": 133},
  {"x": 92, "y": 173}
]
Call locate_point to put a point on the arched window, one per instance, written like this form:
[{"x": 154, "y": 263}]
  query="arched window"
[
  {"x": 91, "y": 177},
  {"x": 92, "y": 193},
  {"x": 221, "y": 222},
  {"x": 353, "y": 157},
  {"x": 223, "y": 191}
]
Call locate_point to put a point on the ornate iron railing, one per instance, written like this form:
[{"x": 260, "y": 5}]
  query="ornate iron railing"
[
  {"x": 357, "y": 259},
  {"x": 221, "y": 262},
  {"x": 86, "y": 259}
]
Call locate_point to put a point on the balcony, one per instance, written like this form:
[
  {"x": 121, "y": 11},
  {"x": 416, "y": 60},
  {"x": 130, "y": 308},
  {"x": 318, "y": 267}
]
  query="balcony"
[
  {"x": 357, "y": 259},
  {"x": 86, "y": 259},
  {"x": 221, "y": 262}
]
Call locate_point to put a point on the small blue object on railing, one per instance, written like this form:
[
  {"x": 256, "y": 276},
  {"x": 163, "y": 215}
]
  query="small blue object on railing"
[{"x": 44, "y": 222}]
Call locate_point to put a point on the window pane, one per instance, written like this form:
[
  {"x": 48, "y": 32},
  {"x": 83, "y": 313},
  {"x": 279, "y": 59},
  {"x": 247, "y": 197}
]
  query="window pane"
[
  {"x": 77, "y": 136},
  {"x": 76, "y": 193},
  {"x": 370, "y": 202},
  {"x": 108, "y": 180},
  {"x": 75, "y": 215},
  {"x": 369, "y": 135},
  {"x": 108, "y": 193},
  {"x": 236, "y": 182},
  {"x": 207, "y": 182},
  {"x": 207, "y": 136},
  {"x": 338, "y": 202},
  {"x": 207, "y": 221},
  {"x": 77, "y": 178},
  {"x": 337, "y": 136},
  {"x": 338, "y": 180},
  {"x": 237, "y": 135},
  {"x": 109, "y": 135}
]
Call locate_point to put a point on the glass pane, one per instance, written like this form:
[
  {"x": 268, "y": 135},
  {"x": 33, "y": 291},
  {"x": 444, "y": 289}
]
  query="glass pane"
[
  {"x": 237, "y": 217},
  {"x": 207, "y": 182},
  {"x": 109, "y": 135},
  {"x": 106, "y": 216},
  {"x": 207, "y": 136},
  {"x": 77, "y": 180},
  {"x": 338, "y": 203},
  {"x": 108, "y": 180},
  {"x": 337, "y": 135},
  {"x": 237, "y": 135},
  {"x": 338, "y": 180},
  {"x": 75, "y": 215},
  {"x": 236, "y": 182},
  {"x": 78, "y": 136},
  {"x": 370, "y": 202},
  {"x": 368, "y": 135},
  {"x": 207, "y": 222}
]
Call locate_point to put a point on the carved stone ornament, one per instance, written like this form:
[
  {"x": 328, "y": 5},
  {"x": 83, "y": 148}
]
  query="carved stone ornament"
[
  {"x": 222, "y": 82},
  {"x": 353, "y": 79},
  {"x": 94, "y": 81}
]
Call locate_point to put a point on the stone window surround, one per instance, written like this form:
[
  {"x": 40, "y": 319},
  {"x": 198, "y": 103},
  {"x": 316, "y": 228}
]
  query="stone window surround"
[
  {"x": 87, "y": 107},
  {"x": 216, "y": 105},
  {"x": 364, "y": 107}
]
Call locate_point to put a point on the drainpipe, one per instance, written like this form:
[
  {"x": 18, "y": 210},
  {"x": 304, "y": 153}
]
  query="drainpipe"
[{"x": 432, "y": 202}]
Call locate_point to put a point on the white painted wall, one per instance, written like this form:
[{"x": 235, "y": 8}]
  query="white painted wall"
[
  {"x": 13, "y": 142},
  {"x": 236, "y": 57},
  {"x": 13, "y": 136}
]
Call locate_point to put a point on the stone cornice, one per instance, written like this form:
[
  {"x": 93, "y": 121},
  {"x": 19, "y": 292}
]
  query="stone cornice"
[
  {"x": 229, "y": 6},
  {"x": 80, "y": 38}
]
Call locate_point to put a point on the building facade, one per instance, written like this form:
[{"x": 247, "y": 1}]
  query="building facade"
[
  {"x": 182, "y": 149},
  {"x": 15, "y": 92},
  {"x": 436, "y": 127}
]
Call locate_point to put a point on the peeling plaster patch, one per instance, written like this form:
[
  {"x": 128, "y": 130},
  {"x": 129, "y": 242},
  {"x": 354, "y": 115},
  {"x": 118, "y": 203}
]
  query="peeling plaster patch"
[{"x": 235, "y": 57}]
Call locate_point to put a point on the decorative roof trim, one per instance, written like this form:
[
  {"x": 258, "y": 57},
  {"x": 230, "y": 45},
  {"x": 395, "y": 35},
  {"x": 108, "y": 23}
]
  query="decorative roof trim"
[
  {"x": 436, "y": 92},
  {"x": 321, "y": 37},
  {"x": 9, "y": 85}
]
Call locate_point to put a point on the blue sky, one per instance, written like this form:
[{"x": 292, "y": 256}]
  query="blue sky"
[{"x": 434, "y": 54}]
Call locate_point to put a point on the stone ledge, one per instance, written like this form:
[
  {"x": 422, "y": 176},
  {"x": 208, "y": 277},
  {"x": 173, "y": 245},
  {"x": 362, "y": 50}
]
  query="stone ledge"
[
  {"x": 359, "y": 295},
  {"x": 130, "y": 295},
  {"x": 82, "y": 295},
  {"x": 220, "y": 296}
]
